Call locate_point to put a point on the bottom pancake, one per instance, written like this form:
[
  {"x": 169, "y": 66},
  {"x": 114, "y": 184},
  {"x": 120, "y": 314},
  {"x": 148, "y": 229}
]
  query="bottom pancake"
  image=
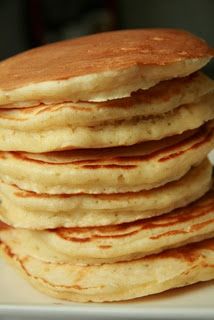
[{"x": 119, "y": 281}]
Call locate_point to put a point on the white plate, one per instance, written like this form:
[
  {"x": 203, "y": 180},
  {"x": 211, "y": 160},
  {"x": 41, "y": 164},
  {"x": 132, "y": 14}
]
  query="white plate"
[{"x": 18, "y": 300}]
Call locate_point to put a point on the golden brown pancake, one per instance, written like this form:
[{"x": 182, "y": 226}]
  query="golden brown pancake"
[
  {"x": 26, "y": 137},
  {"x": 163, "y": 97},
  {"x": 123, "y": 242},
  {"x": 169, "y": 108},
  {"x": 57, "y": 98},
  {"x": 114, "y": 170},
  {"x": 27, "y": 209},
  {"x": 118, "y": 281},
  {"x": 102, "y": 66}
]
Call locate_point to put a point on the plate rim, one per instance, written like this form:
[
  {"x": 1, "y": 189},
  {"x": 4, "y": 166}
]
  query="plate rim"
[{"x": 104, "y": 311}]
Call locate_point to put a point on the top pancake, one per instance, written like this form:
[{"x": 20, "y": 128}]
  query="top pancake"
[{"x": 102, "y": 66}]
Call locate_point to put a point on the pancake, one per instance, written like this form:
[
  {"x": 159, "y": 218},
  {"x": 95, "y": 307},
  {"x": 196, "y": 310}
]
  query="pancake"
[
  {"x": 118, "y": 281},
  {"x": 164, "y": 97},
  {"x": 101, "y": 66},
  {"x": 24, "y": 209},
  {"x": 123, "y": 242},
  {"x": 108, "y": 134},
  {"x": 115, "y": 170}
]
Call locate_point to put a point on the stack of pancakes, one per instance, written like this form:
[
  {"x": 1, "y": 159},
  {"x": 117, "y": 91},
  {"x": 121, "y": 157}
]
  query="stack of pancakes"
[{"x": 106, "y": 189}]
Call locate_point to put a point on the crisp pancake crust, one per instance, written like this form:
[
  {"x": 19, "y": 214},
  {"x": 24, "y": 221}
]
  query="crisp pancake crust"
[
  {"x": 123, "y": 242},
  {"x": 125, "y": 169},
  {"x": 118, "y": 281},
  {"x": 24, "y": 209},
  {"x": 102, "y": 66}
]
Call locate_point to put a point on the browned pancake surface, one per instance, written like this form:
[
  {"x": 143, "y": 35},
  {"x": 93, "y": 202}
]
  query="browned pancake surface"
[{"x": 101, "y": 52}]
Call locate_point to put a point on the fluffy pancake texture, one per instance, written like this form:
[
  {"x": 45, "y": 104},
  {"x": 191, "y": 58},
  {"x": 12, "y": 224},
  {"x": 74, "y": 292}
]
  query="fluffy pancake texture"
[
  {"x": 114, "y": 170},
  {"x": 106, "y": 192},
  {"x": 118, "y": 281},
  {"x": 123, "y": 242},
  {"x": 24, "y": 209},
  {"x": 102, "y": 66},
  {"x": 109, "y": 134},
  {"x": 165, "y": 96}
]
